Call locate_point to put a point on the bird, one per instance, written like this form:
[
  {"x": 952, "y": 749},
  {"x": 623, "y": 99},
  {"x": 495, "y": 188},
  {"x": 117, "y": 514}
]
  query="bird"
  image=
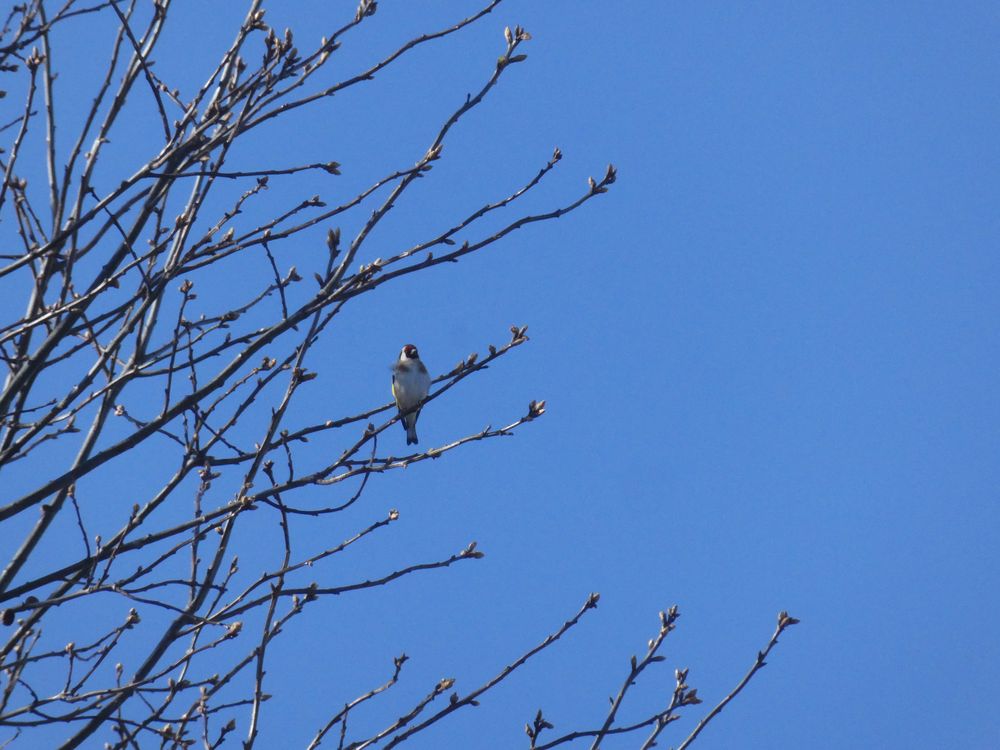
[{"x": 410, "y": 383}]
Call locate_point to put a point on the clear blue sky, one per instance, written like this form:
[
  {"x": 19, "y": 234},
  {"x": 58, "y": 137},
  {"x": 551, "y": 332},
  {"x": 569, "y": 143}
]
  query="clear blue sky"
[{"x": 770, "y": 358}]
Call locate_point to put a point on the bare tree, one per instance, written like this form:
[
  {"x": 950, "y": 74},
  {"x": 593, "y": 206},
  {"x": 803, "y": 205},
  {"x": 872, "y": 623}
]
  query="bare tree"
[{"x": 118, "y": 356}]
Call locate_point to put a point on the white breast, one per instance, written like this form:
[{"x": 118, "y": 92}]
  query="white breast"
[{"x": 411, "y": 385}]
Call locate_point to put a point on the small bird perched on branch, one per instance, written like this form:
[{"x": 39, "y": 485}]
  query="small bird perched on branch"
[{"x": 410, "y": 383}]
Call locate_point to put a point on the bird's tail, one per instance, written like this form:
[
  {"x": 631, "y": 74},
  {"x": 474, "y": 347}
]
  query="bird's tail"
[{"x": 410, "y": 423}]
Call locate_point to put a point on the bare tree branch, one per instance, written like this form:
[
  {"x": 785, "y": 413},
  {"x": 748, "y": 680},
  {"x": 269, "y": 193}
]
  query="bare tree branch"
[{"x": 167, "y": 321}]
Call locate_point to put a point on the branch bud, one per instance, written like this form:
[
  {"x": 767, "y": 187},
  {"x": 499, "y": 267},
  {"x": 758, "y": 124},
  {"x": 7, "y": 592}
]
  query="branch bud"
[
  {"x": 333, "y": 239},
  {"x": 785, "y": 620}
]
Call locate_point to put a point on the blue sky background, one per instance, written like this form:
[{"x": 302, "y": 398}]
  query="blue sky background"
[{"x": 769, "y": 355}]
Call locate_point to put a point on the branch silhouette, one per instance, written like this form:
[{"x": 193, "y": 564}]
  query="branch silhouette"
[{"x": 171, "y": 310}]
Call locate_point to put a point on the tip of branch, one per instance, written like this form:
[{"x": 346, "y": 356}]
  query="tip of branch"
[
  {"x": 785, "y": 620},
  {"x": 517, "y": 334},
  {"x": 472, "y": 552},
  {"x": 366, "y": 8}
]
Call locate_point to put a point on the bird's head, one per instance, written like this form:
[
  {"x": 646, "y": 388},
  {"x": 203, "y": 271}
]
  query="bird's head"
[{"x": 409, "y": 352}]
